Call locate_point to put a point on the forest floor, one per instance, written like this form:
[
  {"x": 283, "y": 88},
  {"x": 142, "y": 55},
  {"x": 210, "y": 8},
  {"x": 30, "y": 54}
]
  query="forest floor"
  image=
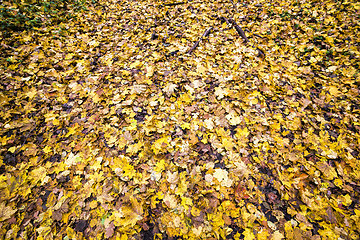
[{"x": 116, "y": 125}]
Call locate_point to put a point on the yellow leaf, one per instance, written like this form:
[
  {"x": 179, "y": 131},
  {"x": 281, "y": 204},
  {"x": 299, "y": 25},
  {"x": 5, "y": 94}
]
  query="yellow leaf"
[
  {"x": 263, "y": 235},
  {"x": 160, "y": 144},
  {"x": 129, "y": 171},
  {"x": 195, "y": 211},
  {"x": 186, "y": 202},
  {"x": 50, "y": 117},
  {"x": 12, "y": 149},
  {"x": 330, "y": 40},
  {"x": 334, "y": 91},
  {"x": 277, "y": 235},
  {"x": 71, "y": 131},
  {"x": 242, "y": 133},
  {"x": 93, "y": 222},
  {"x": 96, "y": 98},
  {"x": 248, "y": 233},
  {"x": 338, "y": 182},
  {"x": 6, "y": 212},
  {"x": 185, "y": 126},
  {"x": 27, "y": 38},
  {"x": 72, "y": 159},
  {"x": 331, "y": 68},
  {"x": 135, "y": 64},
  {"x": 69, "y": 56},
  {"x": 170, "y": 200},
  {"x": 200, "y": 68},
  {"x": 186, "y": 98},
  {"x": 149, "y": 71},
  {"x": 346, "y": 200},
  {"x": 160, "y": 166},
  {"x": 124, "y": 237},
  {"x": 31, "y": 93},
  {"x": 55, "y": 122},
  {"x": 38, "y": 174},
  {"x": 156, "y": 55},
  {"x": 228, "y": 144},
  {"x": 111, "y": 140},
  {"x": 96, "y": 165},
  {"x": 47, "y": 149}
]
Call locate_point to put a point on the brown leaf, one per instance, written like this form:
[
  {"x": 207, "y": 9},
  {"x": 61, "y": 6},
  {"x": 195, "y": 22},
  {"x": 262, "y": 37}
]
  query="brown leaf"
[
  {"x": 330, "y": 215},
  {"x": 110, "y": 230},
  {"x": 57, "y": 215},
  {"x": 227, "y": 219}
]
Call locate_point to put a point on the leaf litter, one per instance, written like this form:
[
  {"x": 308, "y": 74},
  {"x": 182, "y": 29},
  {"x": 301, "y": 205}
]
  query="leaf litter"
[{"x": 183, "y": 120}]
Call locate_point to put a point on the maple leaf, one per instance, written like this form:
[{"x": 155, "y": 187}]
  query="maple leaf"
[
  {"x": 73, "y": 159},
  {"x": 47, "y": 149},
  {"x": 6, "y": 212},
  {"x": 169, "y": 89},
  {"x": 109, "y": 232},
  {"x": 170, "y": 201},
  {"x": 39, "y": 173}
]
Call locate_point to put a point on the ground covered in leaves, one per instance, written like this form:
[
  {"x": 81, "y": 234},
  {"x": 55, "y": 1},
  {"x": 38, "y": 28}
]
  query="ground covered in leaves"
[{"x": 110, "y": 128}]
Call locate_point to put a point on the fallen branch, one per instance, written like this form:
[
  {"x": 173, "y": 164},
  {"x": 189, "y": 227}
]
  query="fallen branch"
[
  {"x": 254, "y": 34},
  {"x": 197, "y": 43},
  {"x": 239, "y": 30},
  {"x": 242, "y": 34},
  {"x": 234, "y": 6},
  {"x": 225, "y": 20}
]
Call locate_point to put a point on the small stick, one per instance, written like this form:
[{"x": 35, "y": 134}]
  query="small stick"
[
  {"x": 257, "y": 35},
  {"x": 7, "y": 46},
  {"x": 226, "y": 20},
  {"x": 173, "y": 4},
  {"x": 242, "y": 34},
  {"x": 261, "y": 53},
  {"x": 240, "y": 31},
  {"x": 197, "y": 43},
  {"x": 234, "y": 6}
]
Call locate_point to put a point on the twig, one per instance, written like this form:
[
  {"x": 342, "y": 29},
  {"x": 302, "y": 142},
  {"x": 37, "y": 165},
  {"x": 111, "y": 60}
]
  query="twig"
[
  {"x": 173, "y": 4},
  {"x": 242, "y": 34},
  {"x": 197, "y": 43},
  {"x": 7, "y": 46},
  {"x": 234, "y": 6},
  {"x": 226, "y": 20},
  {"x": 239, "y": 30},
  {"x": 261, "y": 53},
  {"x": 268, "y": 105},
  {"x": 257, "y": 35},
  {"x": 254, "y": 34}
]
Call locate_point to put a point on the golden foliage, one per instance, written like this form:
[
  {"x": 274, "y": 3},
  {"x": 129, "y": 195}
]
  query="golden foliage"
[{"x": 111, "y": 129}]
